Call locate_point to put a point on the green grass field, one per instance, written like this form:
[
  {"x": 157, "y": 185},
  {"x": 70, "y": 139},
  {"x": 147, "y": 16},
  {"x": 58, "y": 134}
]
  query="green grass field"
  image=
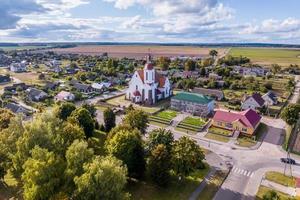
[
  {"x": 281, "y": 179},
  {"x": 167, "y": 114},
  {"x": 268, "y": 56},
  {"x": 264, "y": 190},
  {"x": 195, "y": 121}
]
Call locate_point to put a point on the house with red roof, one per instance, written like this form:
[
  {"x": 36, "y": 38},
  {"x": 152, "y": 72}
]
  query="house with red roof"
[
  {"x": 147, "y": 86},
  {"x": 245, "y": 122},
  {"x": 253, "y": 102}
]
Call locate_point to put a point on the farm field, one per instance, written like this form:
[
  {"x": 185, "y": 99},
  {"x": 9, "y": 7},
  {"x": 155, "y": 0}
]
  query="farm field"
[
  {"x": 139, "y": 51},
  {"x": 268, "y": 56},
  {"x": 13, "y": 48}
]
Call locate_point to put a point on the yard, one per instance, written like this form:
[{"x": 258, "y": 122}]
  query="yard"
[
  {"x": 163, "y": 118},
  {"x": 217, "y": 137},
  {"x": 264, "y": 190},
  {"x": 268, "y": 56},
  {"x": 177, "y": 189},
  {"x": 220, "y": 131},
  {"x": 280, "y": 178},
  {"x": 121, "y": 101},
  {"x": 246, "y": 141},
  {"x": 191, "y": 125}
]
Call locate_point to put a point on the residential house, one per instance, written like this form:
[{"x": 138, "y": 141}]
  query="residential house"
[
  {"x": 213, "y": 93},
  {"x": 18, "y": 67},
  {"x": 36, "y": 94},
  {"x": 214, "y": 76},
  {"x": 51, "y": 85},
  {"x": 16, "y": 108},
  {"x": 196, "y": 104},
  {"x": 15, "y": 87},
  {"x": 246, "y": 122},
  {"x": 101, "y": 87},
  {"x": 270, "y": 98},
  {"x": 4, "y": 78},
  {"x": 148, "y": 86},
  {"x": 254, "y": 102},
  {"x": 64, "y": 96},
  {"x": 83, "y": 88}
]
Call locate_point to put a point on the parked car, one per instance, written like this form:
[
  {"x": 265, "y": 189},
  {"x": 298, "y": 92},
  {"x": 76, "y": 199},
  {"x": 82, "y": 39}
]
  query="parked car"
[{"x": 288, "y": 160}]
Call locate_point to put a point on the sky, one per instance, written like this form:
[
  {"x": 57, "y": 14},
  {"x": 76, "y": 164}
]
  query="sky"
[{"x": 162, "y": 21}]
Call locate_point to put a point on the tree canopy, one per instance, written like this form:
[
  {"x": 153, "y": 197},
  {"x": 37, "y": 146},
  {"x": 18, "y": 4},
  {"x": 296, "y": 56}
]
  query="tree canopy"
[
  {"x": 83, "y": 118},
  {"x": 290, "y": 114},
  {"x": 109, "y": 118},
  {"x": 137, "y": 119}
]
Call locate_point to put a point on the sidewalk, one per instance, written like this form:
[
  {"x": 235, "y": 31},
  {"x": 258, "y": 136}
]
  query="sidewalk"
[{"x": 278, "y": 187}]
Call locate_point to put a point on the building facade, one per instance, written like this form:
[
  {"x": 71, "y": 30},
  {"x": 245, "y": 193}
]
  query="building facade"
[
  {"x": 148, "y": 86},
  {"x": 193, "y": 103}
]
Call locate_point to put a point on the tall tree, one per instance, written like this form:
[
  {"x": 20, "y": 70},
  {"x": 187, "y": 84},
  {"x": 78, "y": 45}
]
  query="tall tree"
[
  {"x": 64, "y": 110},
  {"x": 103, "y": 178},
  {"x": 164, "y": 62},
  {"x": 290, "y": 114},
  {"x": 186, "y": 156},
  {"x": 91, "y": 108},
  {"x": 42, "y": 174},
  {"x": 159, "y": 165},
  {"x": 109, "y": 119},
  {"x": 83, "y": 118},
  {"x": 137, "y": 119},
  {"x": 127, "y": 146},
  {"x": 190, "y": 65},
  {"x": 5, "y": 117},
  {"x": 213, "y": 53},
  {"x": 160, "y": 136},
  {"x": 275, "y": 68}
]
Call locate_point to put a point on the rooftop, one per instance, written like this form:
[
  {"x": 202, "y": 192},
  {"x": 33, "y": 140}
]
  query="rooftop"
[{"x": 193, "y": 97}]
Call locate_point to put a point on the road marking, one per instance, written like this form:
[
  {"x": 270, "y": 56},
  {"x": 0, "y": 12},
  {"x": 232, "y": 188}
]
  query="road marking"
[{"x": 243, "y": 172}]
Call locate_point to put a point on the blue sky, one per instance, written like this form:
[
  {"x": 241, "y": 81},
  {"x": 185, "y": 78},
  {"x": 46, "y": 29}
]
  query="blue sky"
[{"x": 195, "y": 21}]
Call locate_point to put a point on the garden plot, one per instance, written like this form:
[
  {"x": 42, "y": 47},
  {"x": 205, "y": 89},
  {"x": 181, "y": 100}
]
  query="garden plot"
[
  {"x": 191, "y": 124},
  {"x": 164, "y": 117}
]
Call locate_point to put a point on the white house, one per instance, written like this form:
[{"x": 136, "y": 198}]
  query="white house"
[
  {"x": 18, "y": 67},
  {"x": 64, "y": 96},
  {"x": 148, "y": 86},
  {"x": 253, "y": 102},
  {"x": 270, "y": 98}
]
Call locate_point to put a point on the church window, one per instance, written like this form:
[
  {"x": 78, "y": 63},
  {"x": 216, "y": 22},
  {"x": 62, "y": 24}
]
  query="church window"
[
  {"x": 136, "y": 87},
  {"x": 146, "y": 75}
]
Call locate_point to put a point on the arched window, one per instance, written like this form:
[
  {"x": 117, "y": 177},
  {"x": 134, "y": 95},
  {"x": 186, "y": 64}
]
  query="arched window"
[
  {"x": 136, "y": 87},
  {"x": 147, "y": 76}
]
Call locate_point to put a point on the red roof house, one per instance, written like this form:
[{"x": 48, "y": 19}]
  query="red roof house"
[{"x": 246, "y": 121}]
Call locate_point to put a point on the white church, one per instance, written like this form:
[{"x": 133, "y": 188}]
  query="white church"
[{"x": 148, "y": 86}]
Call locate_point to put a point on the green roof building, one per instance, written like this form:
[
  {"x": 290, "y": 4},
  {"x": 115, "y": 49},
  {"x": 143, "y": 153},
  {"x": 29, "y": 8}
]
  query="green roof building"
[{"x": 194, "y": 103}]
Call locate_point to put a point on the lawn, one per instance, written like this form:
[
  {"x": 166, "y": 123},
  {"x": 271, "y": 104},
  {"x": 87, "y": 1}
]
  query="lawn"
[
  {"x": 210, "y": 190},
  {"x": 216, "y": 137},
  {"x": 280, "y": 178},
  {"x": 191, "y": 125},
  {"x": 245, "y": 141},
  {"x": 177, "y": 189},
  {"x": 268, "y": 56},
  {"x": 220, "y": 131},
  {"x": 264, "y": 190},
  {"x": 167, "y": 114},
  {"x": 121, "y": 101},
  {"x": 195, "y": 121}
]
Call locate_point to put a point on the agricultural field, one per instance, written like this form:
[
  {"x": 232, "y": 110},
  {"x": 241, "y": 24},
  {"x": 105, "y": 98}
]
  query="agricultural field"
[
  {"x": 191, "y": 124},
  {"x": 268, "y": 56},
  {"x": 19, "y": 48},
  {"x": 139, "y": 51}
]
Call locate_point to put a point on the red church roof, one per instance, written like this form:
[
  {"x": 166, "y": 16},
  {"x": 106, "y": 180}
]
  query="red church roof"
[{"x": 248, "y": 117}]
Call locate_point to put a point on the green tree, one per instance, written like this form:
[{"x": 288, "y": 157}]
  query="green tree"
[
  {"x": 5, "y": 117},
  {"x": 83, "y": 118},
  {"x": 190, "y": 65},
  {"x": 64, "y": 110},
  {"x": 137, "y": 119},
  {"x": 186, "y": 156},
  {"x": 213, "y": 53},
  {"x": 275, "y": 68},
  {"x": 159, "y": 165},
  {"x": 69, "y": 133},
  {"x": 42, "y": 174},
  {"x": 127, "y": 146},
  {"x": 76, "y": 156},
  {"x": 91, "y": 108},
  {"x": 103, "y": 178},
  {"x": 109, "y": 119},
  {"x": 160, "y": 136},
  {"x": 271, "y": 195},
  {"x": 164, "y": 62},
  {"x": 290, "y": 114}
]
